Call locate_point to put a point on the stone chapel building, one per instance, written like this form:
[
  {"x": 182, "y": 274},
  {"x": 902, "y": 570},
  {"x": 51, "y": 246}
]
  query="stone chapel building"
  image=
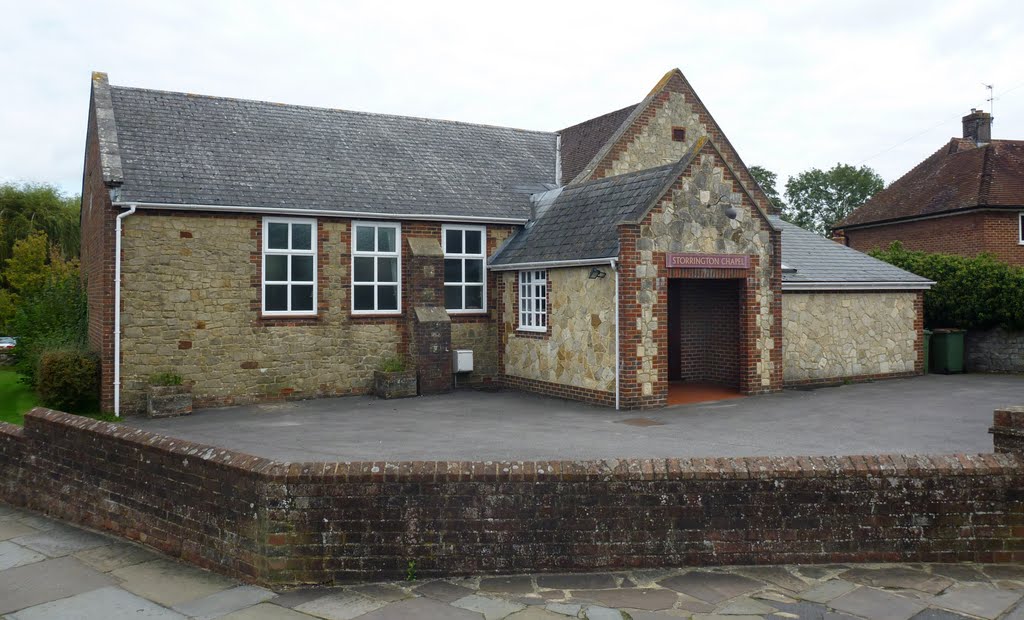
[{"x": 267, "y": 251}]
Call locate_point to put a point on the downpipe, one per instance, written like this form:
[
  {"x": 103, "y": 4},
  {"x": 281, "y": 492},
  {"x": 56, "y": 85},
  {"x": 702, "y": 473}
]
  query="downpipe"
[{"x": 117, "y": 309}]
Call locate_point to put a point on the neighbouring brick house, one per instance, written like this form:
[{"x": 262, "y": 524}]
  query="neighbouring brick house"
[
  {"x": 266, "y": 251},
  {"x": 966, "y": 198}
]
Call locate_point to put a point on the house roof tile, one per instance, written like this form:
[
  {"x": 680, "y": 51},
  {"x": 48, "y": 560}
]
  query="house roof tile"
[{"x": 958, "y": 176}]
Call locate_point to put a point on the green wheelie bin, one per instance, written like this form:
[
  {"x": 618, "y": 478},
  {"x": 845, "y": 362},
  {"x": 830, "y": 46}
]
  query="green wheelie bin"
[{"x": 947, "y": 351}]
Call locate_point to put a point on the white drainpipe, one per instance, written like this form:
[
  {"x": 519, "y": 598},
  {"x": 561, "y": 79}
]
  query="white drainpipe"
[
  {"x": 615, "y": 268},
  {"x": 117, "y": 310}
]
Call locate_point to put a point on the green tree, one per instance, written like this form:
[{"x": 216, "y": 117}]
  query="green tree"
[
  {"x": 768, "y": 181},
  {"x": 26, "y": 268},
  {"x": 53, "y": 317},
  {"x": 817, "y": 199},
  {"x": 33, "y": 265},
  {"x": 8, "y": 306},
  {"x": 31, "y": 207}
]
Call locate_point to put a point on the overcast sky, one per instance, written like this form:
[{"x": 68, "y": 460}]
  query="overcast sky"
[{"x": 793, "y": 84}]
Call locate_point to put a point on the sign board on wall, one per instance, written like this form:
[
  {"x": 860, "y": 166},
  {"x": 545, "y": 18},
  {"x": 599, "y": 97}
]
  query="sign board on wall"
[{"x": 707, "y": 261}]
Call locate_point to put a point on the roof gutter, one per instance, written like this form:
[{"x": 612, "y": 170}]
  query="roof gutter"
[
  {"x": 856, "y": 286},
  {"x": 552, "y": 264},
  {"x": 320, "y": 212}
]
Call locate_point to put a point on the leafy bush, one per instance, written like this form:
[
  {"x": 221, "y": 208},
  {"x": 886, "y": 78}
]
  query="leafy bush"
[
  {"x": 392, "y": 364},
  {"x": 68, "y": 379},
  {"x": 165, "y": 379},
  {"x": 970, "y": 293},
  {"x": 52, "y": 317}
]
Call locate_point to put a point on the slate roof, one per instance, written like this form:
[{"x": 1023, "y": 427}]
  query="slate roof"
[
  {"x": 958, "y": 176},
  {"x": 579, "y": 222},
  {"x": 816, "y": 259},
  {"x": 582, "y": 141},
  {"x": 191, "y": 149}
]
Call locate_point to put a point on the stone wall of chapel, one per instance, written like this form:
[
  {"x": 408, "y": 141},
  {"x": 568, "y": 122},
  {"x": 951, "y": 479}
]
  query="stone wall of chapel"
[
  {"x": 579, "y": 348},
  {"x": 693, "y": 219},
  {"x": 856, "y": 334},
  {"x": 653, "y": 145}
]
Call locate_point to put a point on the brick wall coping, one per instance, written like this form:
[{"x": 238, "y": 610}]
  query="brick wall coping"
[
  {"x": 633, "y": 469},
  {"x": 12, "y": 430},
  {"x": 1008, "y": 421}
]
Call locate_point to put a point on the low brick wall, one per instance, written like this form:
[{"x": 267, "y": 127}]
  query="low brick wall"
[
  {"x": 190, "y": 501},
  {"x": 994, "y": 350},
  {"x": 279, "y": 523}
]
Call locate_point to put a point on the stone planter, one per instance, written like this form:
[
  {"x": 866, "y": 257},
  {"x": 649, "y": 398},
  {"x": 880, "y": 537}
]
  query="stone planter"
[
  {"x": 388, "y": 385},
  {"x": 165, "y": 401}
]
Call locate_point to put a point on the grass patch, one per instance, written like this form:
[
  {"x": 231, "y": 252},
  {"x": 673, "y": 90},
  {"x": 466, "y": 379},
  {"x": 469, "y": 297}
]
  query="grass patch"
[{"x": 16, "y": 398}]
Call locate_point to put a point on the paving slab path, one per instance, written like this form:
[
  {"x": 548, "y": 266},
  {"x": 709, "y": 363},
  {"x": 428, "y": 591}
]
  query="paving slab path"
[{"x": 49, "y": 569}]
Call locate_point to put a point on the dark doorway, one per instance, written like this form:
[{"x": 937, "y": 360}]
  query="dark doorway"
[{"x": 704, "y": 332}]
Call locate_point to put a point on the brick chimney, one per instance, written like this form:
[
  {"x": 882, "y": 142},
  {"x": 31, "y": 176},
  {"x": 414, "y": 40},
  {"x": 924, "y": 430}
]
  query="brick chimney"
[{"x": 978, "y": 127}]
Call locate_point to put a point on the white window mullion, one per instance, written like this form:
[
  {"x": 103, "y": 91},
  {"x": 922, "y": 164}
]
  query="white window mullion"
[
  {"x": 375, "y": 256},
  {"x": 533, "y": 301},
  {"x": 465, "y": 246},
  {"x": 288, "y": 248}
]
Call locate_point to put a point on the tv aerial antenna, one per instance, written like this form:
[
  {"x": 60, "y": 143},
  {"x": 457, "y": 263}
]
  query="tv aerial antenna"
[{"x": 991, "y": 98}]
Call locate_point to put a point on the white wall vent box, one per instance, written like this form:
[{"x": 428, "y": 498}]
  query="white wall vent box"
[{"x": 463, "y": 360}]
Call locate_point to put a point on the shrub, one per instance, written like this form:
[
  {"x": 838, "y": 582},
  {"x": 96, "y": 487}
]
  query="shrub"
[
  {"x": 165, "y": 379},
  {"x": 970, "y": 293},
  {"x": 68, "y": 379},
  {"x": 393, "y": 364}
]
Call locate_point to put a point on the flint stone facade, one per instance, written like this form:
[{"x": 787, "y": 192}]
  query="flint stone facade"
[
  {"x": 579, "y": 348},
  {"x": 830, "y": 337},
  {"x": 694, "y": 219},
  {"x": 652, "y": 146}
]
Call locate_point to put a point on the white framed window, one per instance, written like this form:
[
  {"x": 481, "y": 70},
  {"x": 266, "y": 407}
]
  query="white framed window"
[
  {"x": 1020, "y": 228},
  {"x": 465, "y": 269},
  {"x": 376, "y": 268},
  {"x": 533, "y": 300},
  {"x": 289, "y": 266}
]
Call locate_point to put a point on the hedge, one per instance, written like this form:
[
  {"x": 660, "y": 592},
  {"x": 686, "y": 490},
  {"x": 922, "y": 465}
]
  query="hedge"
[{"x": 969, "y": 293}]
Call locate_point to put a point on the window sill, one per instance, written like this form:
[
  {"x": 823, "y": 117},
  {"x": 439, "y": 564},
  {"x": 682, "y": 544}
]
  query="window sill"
[
  {"x": 375, "y": 315},
  {"x": 287, "y": 320},
  {"x": 277, "y": 317}
]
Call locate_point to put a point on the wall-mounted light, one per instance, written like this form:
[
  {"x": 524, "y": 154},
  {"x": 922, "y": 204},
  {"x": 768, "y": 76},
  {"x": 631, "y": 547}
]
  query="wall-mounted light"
[
  {"x": 731, "y": 212},
  {"x": 596, "y": 274}
]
